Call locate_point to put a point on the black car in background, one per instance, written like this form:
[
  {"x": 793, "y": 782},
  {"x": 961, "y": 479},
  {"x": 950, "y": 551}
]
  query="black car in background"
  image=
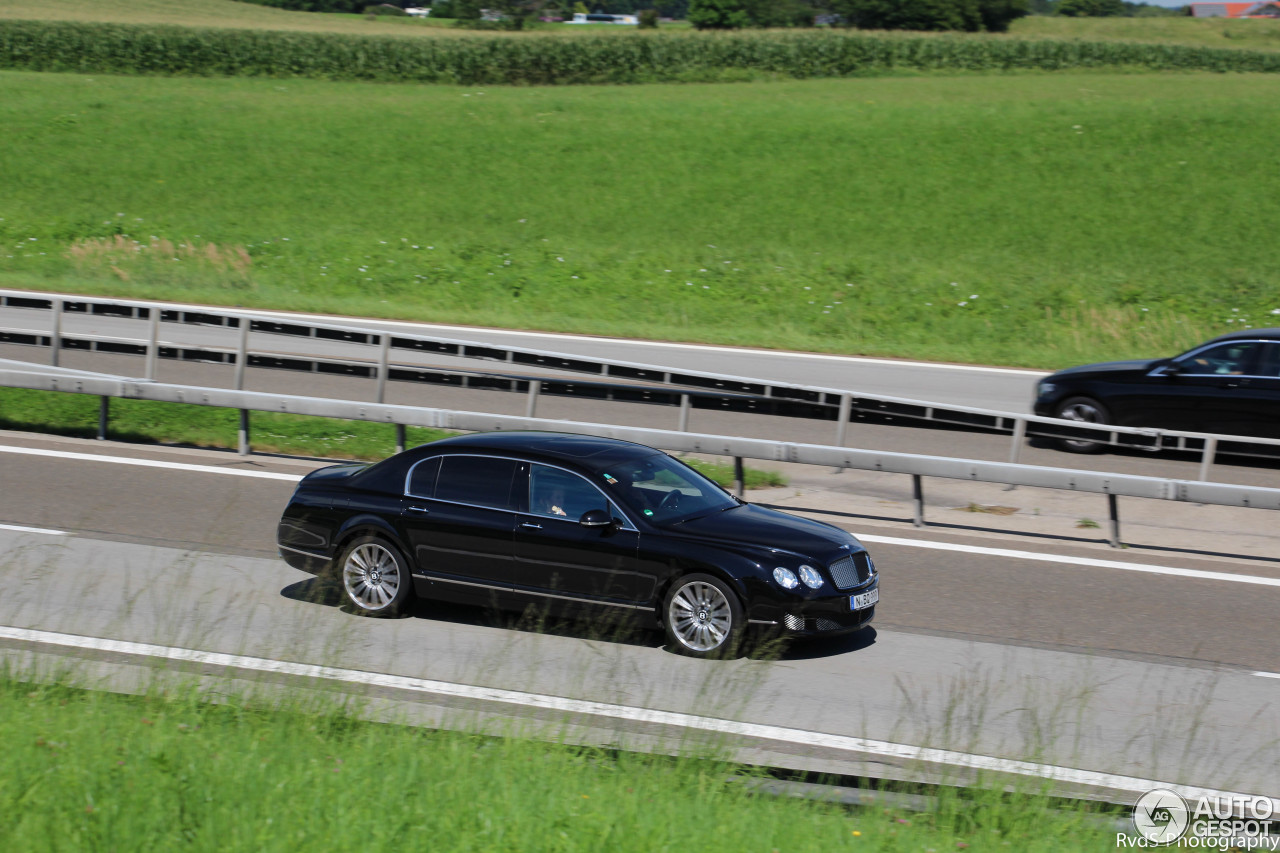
[
  {"x": 1228, "y": 385},
  {"x": 576, "y": 523}
]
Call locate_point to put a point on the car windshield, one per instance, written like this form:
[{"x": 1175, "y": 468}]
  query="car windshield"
[{"x": 663, "y": 490}]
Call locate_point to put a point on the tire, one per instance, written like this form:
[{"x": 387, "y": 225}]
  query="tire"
[
  {"x": 703, "y": 617},
  {"x": 375, "y": 577},
  {"x": 1083, "y": 410}
]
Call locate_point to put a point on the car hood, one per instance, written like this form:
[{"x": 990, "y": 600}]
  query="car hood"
[
  {"x": 758, "y": 529},
  {"x": 1132, "y": 366}
]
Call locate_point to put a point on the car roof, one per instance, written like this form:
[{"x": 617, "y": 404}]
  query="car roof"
[
  {"x": 1248, "y": 334},
  {"x": 592, "y": 452}
]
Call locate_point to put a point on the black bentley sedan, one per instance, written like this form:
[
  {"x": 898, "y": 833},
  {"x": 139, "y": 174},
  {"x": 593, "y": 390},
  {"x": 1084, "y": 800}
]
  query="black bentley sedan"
[
  {"x": 575, "y": 522},
  {"x": 1229, "y": 385}
]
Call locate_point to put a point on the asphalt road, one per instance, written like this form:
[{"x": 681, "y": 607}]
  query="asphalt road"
[{"x": 1114, "y": 671}]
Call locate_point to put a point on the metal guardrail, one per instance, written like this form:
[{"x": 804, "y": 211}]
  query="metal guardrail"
[
  {"x": 916, "y": 465},
  {"x": 686, "y": 389}
]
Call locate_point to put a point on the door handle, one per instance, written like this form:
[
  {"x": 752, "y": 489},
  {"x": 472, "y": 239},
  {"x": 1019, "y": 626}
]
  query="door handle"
[
  {"x": 530, "y": 524},
  {"x": 421, "y": 509}
]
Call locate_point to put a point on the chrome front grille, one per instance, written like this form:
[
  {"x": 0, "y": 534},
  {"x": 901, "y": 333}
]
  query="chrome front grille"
[{"x": 851, "y": 571}]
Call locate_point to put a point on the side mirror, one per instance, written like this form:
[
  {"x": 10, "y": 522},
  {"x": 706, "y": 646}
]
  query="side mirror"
[
  {"x": 1173, "y": 368},
  {"x": 596, "y": 518}
]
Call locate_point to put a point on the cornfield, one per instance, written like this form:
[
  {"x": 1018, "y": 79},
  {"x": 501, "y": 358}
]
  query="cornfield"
[{"x": 549, "y": 59}]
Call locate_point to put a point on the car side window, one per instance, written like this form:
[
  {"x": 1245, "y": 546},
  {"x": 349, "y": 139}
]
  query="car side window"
[
  {"x": 422, "y": 479},
  {"x": 557, "y": 493},
  {"x": 479, "y": 480},
  {"x": 1234, "y": 358}
]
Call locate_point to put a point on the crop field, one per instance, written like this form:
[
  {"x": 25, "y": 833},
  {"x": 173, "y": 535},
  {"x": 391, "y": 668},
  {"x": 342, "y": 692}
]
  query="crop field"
[{"x": 1034, "y": 219}]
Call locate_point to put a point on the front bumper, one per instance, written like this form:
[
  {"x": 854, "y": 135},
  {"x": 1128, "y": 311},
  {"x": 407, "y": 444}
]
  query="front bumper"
[{"x": 826, "y": 615}]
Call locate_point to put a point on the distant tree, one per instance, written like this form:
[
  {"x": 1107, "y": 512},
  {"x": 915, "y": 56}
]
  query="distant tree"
[
  {"x": 719, "y": 14},
  {"x": 998, "y": 14},
  {"x": 967, "y": 15},
  {"x": 1091, "y": 8},
  {"x": 648, "y": 19}
]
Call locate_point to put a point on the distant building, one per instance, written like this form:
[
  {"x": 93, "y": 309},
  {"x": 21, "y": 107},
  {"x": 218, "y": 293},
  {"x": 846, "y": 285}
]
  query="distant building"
[{"x": 1268, "y": 9}]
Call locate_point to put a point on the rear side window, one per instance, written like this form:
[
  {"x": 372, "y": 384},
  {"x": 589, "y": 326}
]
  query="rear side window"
[
  {"x": 422, "y": 479},
  {"x": 480, "y": 480}
]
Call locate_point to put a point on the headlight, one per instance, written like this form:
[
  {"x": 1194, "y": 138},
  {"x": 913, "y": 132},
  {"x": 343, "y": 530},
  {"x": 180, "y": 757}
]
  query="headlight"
[
  {"x": 785, "y": 578},
  {"x": 810, "y": 576},
  {"x": 1046, "y": 388}
]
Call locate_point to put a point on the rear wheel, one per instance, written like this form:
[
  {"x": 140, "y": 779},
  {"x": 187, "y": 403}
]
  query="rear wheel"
[
  {"x": 375, "y": 577},
  {"x": 703, "y": 617},
  {"x": 1082, "y": 410}
]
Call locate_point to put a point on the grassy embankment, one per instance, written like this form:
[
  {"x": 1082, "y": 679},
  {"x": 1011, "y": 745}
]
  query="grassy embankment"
[
  {"x": 1034, "y": 220},
  {"x": 96, "y": 771}
]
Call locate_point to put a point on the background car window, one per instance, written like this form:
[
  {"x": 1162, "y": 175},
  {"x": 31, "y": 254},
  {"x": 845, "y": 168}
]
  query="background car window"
[
  {"x": 559, "y": 493},
  {"x": 422, "y": 480},
  {"x": 1269, "y": 360},
  {"x": 1231, "y": 358},
  {"x": 480, "y": 480}
]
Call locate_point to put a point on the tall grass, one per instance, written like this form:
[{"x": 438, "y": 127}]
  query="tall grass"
[{"x": 94, "y": 771}]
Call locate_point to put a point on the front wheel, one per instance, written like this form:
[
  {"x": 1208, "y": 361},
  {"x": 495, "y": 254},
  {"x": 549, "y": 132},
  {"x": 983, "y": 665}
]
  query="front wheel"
[
  {"x": 703, "y": 617},
  {"x": 375, "y": 577},
  {"x": 1082, "y": 410}
]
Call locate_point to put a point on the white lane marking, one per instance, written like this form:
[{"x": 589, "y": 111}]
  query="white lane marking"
[
  {"x": 486, "y": 330},
  {"x": 619, "y": 712},
  {"x": 1268, "y": 674},
  {"x": 151, "y": 463},
  {"x": 20, "y": 529},
  {"x": 1072, "y": 561}
]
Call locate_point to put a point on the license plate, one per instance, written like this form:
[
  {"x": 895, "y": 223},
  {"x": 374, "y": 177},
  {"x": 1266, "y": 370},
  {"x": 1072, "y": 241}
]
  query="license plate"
[{"x": 861, "y": 602}]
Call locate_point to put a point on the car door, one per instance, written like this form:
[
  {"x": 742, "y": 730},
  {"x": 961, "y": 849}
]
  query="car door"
[
  {"x": 555, "y": 554},
  {"x": 458, "y": 516},
  {"x": 1216, "y": 388}
]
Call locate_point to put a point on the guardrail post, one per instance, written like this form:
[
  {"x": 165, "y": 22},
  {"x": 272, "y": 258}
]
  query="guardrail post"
[
  {"x": 243, "y": 433},
  {"x": 1019, "y": 438},
  {"x": 384, "y": 364},
  {"x": 739, "y": 477},
  {"x": 400, "y": 438},
  {"x": 104, "y": 412},
  {"x": 535, "y": 386},
  {"x": 153, "y": 344},
  {"x": 917, "y": 498},
  {"x": 1113, "y": 505},
  {"x": 242, "y": 352},
  {"x": 55, "y": 334},
  {"x": 842, "y": 419},
  {"x": 684, "y": 413},
  {"x": 1210, "y": 451}
]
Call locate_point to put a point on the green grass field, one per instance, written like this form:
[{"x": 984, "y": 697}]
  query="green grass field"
[
  {"x": 95, "y": 771},
  {"x": 1034, "y": 219},
  {"x": 1252, "y": 34}
]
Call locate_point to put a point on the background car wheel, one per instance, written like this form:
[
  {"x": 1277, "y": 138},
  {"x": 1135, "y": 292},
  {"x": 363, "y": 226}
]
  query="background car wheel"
[
  {"x": 375, "y": 577},
  {"x": 703, "y": 617},
  {"x": 1084, "y": 410}
]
